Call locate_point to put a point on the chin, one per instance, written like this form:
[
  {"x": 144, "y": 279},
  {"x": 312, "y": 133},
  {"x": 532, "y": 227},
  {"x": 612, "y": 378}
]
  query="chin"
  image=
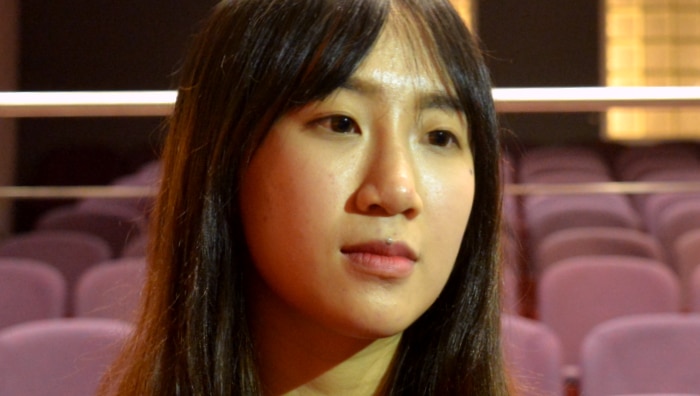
[{"x": 377, "y": 329}]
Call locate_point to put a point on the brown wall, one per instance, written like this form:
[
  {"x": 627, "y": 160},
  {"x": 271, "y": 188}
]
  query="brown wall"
[
  {"x": 544, "y": 43},
  {"x": 92, "y": 45},
  {"x": 9, "y": 45}
]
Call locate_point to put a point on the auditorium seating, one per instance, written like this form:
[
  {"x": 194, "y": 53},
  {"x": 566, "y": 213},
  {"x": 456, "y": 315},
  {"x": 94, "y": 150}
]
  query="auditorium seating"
[
  {"x": 114, "y": 224},
  {"x": 686, "y": 251},
  {"x": 533, "y": 356},
  {"x": 111, "y": 289},
  {"x": 657, "y": 354},
  {"x": 579, "y": 293},
  {"x": 58, "y": 357},
  {"x": 541, "y": 232},
  {"x": 592, "y": 241},
  {"x": 30, "y": 290},
  {"x": 68, "y": 251}
]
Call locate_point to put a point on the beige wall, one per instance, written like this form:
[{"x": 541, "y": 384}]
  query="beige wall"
[
  {"x": 9, "y": 48},
  {"x": 466, "y": 11},
  {"x": 652, "y": 43}
]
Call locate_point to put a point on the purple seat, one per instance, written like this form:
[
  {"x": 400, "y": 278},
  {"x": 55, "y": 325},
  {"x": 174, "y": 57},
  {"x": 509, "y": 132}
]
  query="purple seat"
[
  {"x": 58, "y": 357},
  {"x": 655, "y": 204},
  {"x": 129, "y": 208},
  {"x": 507, "y": 168},
  {"x": 149, "y": 174},
  {"x": 546, "y": 215},
  {"x": 686, "y": 251},
  {"x": 511, "y": 248},
  {"x": 676, "y": 220},
  {"x": 684, "y": 174},
  {"x": 642, "y": 354},
  {"x": 564, "y": 176},
  {"x": 113, "y": 224},
  {"x": 111, "y": 289},
  {"x": 569, "y": 158},
  {"x": 659, "y": 394},
  {"x": 137, "y": 246},
  {"x": 585, "y": 241},
  {"x": 578, "y": 293},
  {"x": 631, "y": 160},
  {"x": 511, "y": 213},
  {"x": 645, "y": 170},
  {"x": 30, "y": 290},
  {"x": 533, "y": 356},
  {"x": 511, "y": 291},
  {"x": 694, "y": 291},
  {"x": 70, "y": 252}
]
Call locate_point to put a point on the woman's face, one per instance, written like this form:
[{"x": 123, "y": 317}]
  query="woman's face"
[{"x": 354, "y": 207}]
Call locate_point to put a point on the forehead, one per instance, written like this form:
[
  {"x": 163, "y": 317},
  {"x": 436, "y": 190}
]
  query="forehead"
[{"x": 402, "y": 60}]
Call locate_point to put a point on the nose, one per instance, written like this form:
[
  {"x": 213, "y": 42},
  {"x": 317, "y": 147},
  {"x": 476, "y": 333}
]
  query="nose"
[{"x": 389, "y": 184}]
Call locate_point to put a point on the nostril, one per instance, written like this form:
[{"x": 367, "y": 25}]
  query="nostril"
[{"x": 378, "y": 210}]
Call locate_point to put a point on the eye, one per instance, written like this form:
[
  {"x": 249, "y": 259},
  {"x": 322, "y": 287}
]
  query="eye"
[
  {"x": 442, "y": 138},
  {"x": 340, "y": 124}
]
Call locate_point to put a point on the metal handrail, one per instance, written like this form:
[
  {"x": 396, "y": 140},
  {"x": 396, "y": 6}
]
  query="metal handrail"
[
  {"x": 86, "y": 104},
  {"x": 508, "y": 100},
  {"x": 74, "y": 192},
  {"x": 77, "y": 192}
]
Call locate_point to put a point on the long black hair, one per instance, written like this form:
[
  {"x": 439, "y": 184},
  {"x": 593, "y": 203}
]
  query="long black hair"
[{"x": 252, "y": 62}]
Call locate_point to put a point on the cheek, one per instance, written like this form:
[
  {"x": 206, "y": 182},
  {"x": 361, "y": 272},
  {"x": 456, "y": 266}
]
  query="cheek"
[
  {"x": 289, "y": 201},
  {"x": 275, "y": 199},
  {"x": 451, "y": 200},
  {"x": 459, "y": 201}
]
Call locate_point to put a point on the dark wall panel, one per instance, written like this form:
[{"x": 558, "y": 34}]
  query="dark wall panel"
[
  {"x": 543, "y": 43},
  {"x": 95, "y": 45}
]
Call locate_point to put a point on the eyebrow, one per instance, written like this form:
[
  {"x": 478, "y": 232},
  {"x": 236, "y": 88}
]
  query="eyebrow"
[{"x": 428, "y": 100}]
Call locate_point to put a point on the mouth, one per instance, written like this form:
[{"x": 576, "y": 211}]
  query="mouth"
[{"x": 376, "y": 258}]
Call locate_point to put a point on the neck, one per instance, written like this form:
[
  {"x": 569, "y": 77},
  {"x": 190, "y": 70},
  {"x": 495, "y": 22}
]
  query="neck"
[
  {"x": 296, "y": 357},
  {"x": 302, "y": 368}
]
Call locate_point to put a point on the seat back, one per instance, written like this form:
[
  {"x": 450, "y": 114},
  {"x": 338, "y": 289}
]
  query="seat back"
[
  {"x": 693, "y": 301},
  {"x": 563, "y": 176},
  {"x": 634, "y": 156},
  {"x": 30, "y": 290},
  {"x": 111, "y": 289},
  {"x": 579, "y": 293},
  {"x": 656, "y": 204},
  {"x": 545, "y": 159},
  {"x": 58, "y": 357},
  {"x": 114, "y": 225},
  {"x": 686, "y": 250},
  {"x": 545, "y": 215},
  {"x": 687, "y": 173},
  {"x": 533, "y": 356},
  {"x": 583, "y": 241},
  {"x": 510, "y": 299},
  {"x": 642, "y": 354},
  {"x": 70, "y": 252},
  {"x": 676, "y": 220},
  {"x": 137, "y": 247}
]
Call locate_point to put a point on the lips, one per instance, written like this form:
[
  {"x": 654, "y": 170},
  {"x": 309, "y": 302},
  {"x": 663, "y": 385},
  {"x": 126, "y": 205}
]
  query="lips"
[{"x": 378, "y": 259}]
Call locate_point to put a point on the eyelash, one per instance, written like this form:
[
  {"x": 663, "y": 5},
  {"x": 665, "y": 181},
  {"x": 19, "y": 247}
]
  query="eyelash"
[{"x": 346, "y": 125}]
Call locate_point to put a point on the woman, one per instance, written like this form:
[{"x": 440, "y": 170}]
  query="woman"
[{"x": 328, "y": 217}]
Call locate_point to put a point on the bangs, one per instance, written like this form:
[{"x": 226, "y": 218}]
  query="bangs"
[
  {"x": 417, "y": 38},
  {"x": 239, "y": 78},
  {"x": 433, "y": 30},
  {"x": 335, "y": 41}
]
